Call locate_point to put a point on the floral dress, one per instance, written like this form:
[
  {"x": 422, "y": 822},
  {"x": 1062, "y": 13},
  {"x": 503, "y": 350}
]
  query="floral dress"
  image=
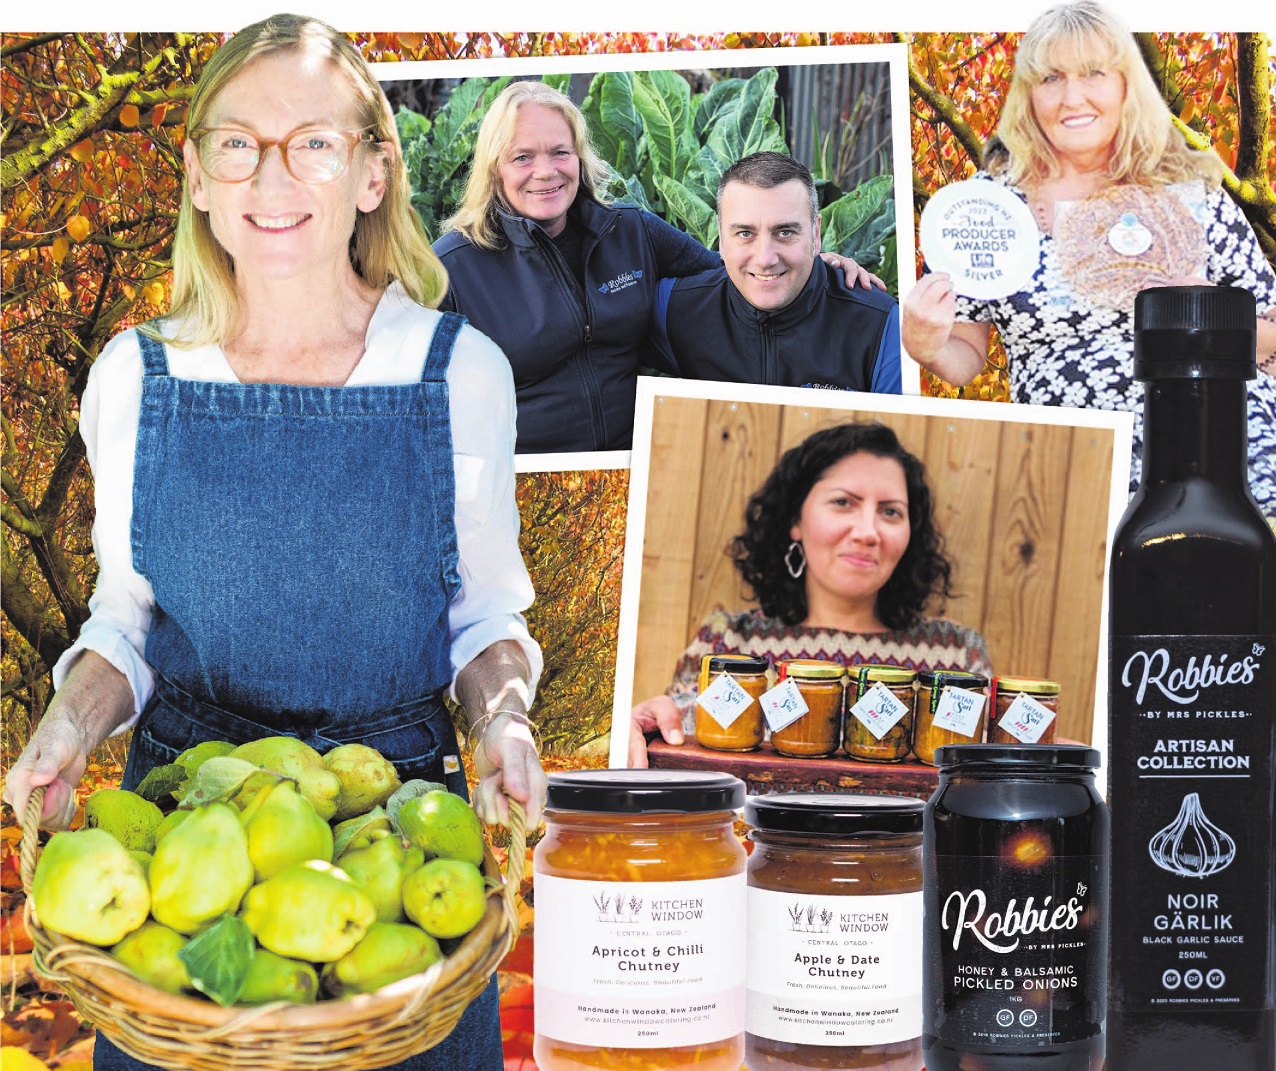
[{"x": 1066, "y": 348}]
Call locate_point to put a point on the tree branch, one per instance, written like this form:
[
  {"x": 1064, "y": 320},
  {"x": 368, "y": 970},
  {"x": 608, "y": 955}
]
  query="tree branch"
[
  {"x": 26, "y": 613},
  {"x": 945, "y": 110},
  {"x": 1254, "y": 98}
]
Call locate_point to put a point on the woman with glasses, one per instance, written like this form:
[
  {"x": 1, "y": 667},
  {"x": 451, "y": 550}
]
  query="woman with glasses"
[{"x": 304, "y": 475}]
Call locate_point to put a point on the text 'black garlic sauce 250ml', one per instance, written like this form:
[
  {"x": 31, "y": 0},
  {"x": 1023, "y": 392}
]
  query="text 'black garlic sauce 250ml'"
[{"x": 1015, "y": 853}]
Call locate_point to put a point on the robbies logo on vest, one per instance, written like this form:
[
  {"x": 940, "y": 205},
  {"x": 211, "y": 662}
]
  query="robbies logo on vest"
[{"x": 623, "y": 281}]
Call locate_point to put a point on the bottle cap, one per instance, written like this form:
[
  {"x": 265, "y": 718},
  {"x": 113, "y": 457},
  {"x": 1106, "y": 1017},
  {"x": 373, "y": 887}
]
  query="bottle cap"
[
  {"x": 1195, "y": 332},
  {"x": 644, "y": 791}
]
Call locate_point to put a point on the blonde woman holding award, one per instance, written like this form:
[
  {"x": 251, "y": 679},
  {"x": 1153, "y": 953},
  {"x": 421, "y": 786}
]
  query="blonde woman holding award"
[{"x": 1120, "y": 203}]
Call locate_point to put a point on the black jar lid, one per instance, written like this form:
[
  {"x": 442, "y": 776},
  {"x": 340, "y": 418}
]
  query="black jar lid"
[
  {"x": 835, "y": 814},
  {"x": 643, "y": 791},
  {"x": 1019, "y": 755},
  {"x": 737, "y": 663},
  {"x": 956, "y": 678}
]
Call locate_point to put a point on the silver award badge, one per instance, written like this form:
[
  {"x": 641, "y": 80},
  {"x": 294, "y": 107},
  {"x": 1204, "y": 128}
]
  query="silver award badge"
[{"x": 1129, "y": 237}]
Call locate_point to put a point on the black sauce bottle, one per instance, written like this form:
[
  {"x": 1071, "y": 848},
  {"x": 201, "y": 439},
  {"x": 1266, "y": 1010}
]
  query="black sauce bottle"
[{"x": 1192, "y": 708}]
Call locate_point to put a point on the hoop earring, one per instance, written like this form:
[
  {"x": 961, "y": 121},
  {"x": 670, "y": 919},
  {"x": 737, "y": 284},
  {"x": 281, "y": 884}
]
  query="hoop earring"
[{"x": 795, "y": 571}]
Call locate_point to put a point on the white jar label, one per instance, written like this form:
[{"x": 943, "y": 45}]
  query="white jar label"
[
  {"x": 725, "y": 699},
  {"x": 959, "y": 710},
  {"x": 1026, "y": 719},
  {"x": 783, "y": 705},
  {"x": 880, "y": 710},
  {"x": 639, "y": 964},
  {"x": 834, "y": 970}
]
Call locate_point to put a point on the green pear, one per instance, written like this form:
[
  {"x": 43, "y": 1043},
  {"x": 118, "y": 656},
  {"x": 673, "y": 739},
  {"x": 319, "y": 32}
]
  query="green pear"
[
  {"x": 389, "y": 951},
  {"x": 150, "y": 952},
  {"x": 88, "y": 887},
  {"x": 283, "y": 829},
  {"x": 446, "y": 897},
  {"x": 145, "y": 859},
  {"x": 172, "y": 819},
  {"x": 126, "y": 816},
  {"x": 443, "y": 826},
  {"x": 379, "y": 869},
  {"x": 273, "y": 977},
  {"x": 367, "y": 778},
  {"x": 201, "y": 869},
  {"x": 370, "y": 828},
  {"x": 311, "y": 911},
  {"x": 290, "y": 757}
]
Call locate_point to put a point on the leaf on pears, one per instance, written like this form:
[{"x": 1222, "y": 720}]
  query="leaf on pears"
[
  {"x": 357, "y": 827},
  {"x": 161, "y": 783},
  {"x": 219, "y": 778},
  {"x": 409, "y": 790},
  {"x": 219, "y": 958}
]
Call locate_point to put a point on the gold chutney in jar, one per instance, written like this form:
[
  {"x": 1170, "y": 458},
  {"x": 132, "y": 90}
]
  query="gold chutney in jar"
[
  {"x": 728, "y": 714},
  {"x": 835, "y": 933},
  {"x": 640, "y": 899},
  {"x": 951, "y": 708},
  {"x": 1025, "y": 711},
  {"x": 879, "y": 713},
  {"x": 817, "y": 732}
]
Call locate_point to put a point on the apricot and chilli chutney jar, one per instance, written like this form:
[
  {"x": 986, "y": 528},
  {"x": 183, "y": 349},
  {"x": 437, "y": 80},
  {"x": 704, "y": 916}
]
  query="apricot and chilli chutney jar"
[
  {"x": 951, "y": 708},
  {"x": 816, "y": 733},
  {"x": 1025, "y": 710},
  {"x": 640, "y": 898},
  {"x": 728, "y": 714},
  {"x": 835, "y": 932},
  {"x": 879, "y": 713}
]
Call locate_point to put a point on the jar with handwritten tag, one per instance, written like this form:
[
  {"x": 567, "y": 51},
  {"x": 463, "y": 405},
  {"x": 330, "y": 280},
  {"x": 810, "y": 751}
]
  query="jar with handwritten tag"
[
  {"x": 879, "y": 714},
  {"x": 952, "y": 708},
  {"x": 1025, "y": 711},
  {"x": 728, "y": 714},
  {"x": 817, "y": 687}
]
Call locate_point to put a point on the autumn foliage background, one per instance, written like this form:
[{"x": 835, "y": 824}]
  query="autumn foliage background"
[{"x": 90, "y": 186}]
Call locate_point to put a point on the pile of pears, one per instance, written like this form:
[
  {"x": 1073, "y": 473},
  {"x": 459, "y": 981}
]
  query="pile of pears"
[{"x": 283, "y": 874}]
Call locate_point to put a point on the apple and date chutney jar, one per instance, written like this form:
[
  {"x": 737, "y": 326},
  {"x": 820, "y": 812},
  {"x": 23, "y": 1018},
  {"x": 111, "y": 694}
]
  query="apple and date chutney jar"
[
  {"x": 835, "y": 922},
  {"x": 728, "y": 708},
  {"x": 639, "y": 958},
  {"x": 1015, "y": 850},
  {"x": 816, "y": 733},
  {"x": 1025, "y": 710},
  {"x": 879, "y": 713},
  {"x": 951, "y": 708}
]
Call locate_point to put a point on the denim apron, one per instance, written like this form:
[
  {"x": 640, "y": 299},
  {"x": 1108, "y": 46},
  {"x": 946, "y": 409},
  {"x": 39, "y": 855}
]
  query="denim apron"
[{"x": 301, "y": 544}]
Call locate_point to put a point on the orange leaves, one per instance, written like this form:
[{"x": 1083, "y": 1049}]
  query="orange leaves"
[
  {"x": 130, "y": 116},
  {"x": 78, "y": 228},
  {"x": 59, "y": 249},
  {"x": 82, "y": 151},
  {"x": 154, "y": 293}
]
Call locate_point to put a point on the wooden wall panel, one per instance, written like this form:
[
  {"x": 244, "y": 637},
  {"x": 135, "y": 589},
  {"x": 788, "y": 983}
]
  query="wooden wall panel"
[{"x": 669, "y": 545}]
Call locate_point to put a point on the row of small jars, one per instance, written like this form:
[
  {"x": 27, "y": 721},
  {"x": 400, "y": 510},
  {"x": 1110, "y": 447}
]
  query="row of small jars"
[{"x": 875, "y": 713}]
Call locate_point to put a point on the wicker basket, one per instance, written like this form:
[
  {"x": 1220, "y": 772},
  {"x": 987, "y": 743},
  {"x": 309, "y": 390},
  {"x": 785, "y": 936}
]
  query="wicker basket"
[{"x": 357, "y": 1034}]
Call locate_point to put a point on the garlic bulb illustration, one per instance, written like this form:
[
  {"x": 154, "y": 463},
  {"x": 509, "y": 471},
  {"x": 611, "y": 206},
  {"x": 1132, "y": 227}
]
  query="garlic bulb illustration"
[{"x": 1192, "y": 846}]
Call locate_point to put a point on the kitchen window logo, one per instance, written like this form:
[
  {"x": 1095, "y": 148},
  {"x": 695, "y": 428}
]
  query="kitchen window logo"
[
  {"x": 624, "y": 909},
  {"x": 809, "y": 918}
]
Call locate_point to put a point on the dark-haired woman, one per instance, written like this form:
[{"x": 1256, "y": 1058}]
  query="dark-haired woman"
[{"x": 841, "y": 551}]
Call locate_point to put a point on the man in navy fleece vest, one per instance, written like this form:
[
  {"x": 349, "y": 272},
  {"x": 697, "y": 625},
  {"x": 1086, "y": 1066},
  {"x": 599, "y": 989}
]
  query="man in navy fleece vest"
[{"x": 774, "y": 312}]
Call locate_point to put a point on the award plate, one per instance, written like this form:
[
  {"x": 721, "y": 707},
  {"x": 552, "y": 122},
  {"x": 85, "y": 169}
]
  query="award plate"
[{"x": 983, "y": 235}]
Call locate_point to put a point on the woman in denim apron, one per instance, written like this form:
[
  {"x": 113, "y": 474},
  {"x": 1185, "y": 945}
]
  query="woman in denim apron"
[{"x": 302, "y": 475}]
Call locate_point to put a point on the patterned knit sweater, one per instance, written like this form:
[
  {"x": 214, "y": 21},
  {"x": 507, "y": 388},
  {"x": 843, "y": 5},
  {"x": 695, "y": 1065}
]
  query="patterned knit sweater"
[{"x": 934, "y": 643}]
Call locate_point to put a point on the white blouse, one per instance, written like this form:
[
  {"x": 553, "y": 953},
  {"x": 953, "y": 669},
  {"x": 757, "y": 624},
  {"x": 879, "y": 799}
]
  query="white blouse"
[{"x": 495, "y": 587}]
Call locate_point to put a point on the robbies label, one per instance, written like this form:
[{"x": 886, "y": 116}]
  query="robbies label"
[{"x": 1196, "y": 759}]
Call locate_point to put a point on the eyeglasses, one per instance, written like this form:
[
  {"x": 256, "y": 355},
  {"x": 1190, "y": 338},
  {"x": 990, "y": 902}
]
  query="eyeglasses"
[{"x": 312, "y": 156}]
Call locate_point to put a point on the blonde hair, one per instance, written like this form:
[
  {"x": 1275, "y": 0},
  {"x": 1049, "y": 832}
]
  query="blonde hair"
[
  {"x": 1148, "y": 149},
  {"x": 388, "y": 243},
  {"x": 477, "y": 218}
]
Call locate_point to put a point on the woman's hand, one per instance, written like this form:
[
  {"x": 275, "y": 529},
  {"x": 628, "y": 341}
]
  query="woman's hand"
[
  {"x": 929, "y": 332},
  {"x": 648, "y": 716},
  {"x": 93, "y": 701},
  {"x": 852, "y": 273},
  {"x": 495, "y": 681},
  {"x": 508, "y": 768}
]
